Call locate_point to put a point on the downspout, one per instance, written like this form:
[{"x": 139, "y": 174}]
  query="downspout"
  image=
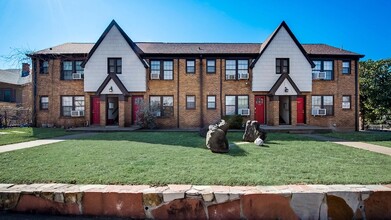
[
  {"x": 221, "y": 88},
  {"x": 201, "y": 95},
  {"x": 356, "y": 95},
  {"x": 34, "y": 92},
  {"x": 177, "y": 93}
]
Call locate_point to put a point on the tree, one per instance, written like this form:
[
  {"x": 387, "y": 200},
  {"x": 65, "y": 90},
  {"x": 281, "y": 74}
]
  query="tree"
[
  {"x": 375, "y": 91},
  {"x": 17, "y": 56}
]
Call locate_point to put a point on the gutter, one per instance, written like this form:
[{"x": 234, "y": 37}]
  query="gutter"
[{"x": 356, "y": 95}]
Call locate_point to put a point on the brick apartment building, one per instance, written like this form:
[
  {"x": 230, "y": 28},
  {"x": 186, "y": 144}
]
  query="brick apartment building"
[{"x": 279, "y": 81}]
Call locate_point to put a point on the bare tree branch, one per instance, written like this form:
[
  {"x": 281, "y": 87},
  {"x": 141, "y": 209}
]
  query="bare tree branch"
[{"x": 17, "y": 56}]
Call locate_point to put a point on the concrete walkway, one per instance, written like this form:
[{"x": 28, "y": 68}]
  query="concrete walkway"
[
  {"x": 36, "y": 143},
  {"x": 355, "y": 144}
]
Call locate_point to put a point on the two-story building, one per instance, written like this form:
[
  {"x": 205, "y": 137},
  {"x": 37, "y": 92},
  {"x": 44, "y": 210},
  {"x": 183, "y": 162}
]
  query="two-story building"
[{"x": 279, "y": 81}]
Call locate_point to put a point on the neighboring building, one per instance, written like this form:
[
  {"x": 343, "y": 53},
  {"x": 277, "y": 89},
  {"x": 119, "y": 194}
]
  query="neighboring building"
[
  {"x": 194, "y": 84},
  {"x": 15, "y": 96}
]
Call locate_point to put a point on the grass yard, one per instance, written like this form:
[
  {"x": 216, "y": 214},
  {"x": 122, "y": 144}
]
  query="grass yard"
[
  {"x": 160, "y": 158},
  {"x": 378, "y": 138},
  {"x": 16, "y": 135}
]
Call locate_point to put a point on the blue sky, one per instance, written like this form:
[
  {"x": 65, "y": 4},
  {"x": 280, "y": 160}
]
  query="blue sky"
[{"x": 359, "y": 26}]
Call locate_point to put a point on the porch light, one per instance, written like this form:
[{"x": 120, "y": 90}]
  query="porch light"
[
  {"x": 286, "y": 89},
  {"x": 111, "y": 89}
]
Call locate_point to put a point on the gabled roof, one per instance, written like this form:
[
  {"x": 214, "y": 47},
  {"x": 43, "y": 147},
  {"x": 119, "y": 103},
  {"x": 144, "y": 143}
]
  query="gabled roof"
[
  {"x": 117, "y": 81},
  {"x": 13, "y": 76},
  {"x": 280, "y": 81},
  {"x": 132, "y": 45},
  {"x": 324, "y": 49},
  {"x": 267, "y": 42}
]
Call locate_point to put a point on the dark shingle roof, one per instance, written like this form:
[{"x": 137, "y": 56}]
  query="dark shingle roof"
[{"x": 195, "y": 48}]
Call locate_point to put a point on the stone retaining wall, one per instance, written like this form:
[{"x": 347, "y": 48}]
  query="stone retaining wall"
[{"x": 201, "y": 202}]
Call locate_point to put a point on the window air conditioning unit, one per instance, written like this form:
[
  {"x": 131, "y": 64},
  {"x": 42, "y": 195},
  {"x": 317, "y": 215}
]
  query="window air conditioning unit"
[
  {"x": 155, "y": 76},
  {"x": 321, "y": 75},
  {"x": 76, "y": 75},
  {"x": 77, "y": 113},
  {"x": 243, "y": 76},
  {"x": 319, "y": 111},
  {"x": 231, "y": 77},
  {"x": 244, "y": 111}
]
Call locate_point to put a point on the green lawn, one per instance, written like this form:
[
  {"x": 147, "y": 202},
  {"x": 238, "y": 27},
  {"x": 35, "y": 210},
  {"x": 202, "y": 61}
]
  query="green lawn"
[
  {"x": 160, "y": 158},
  {"x": 16, "y": 135},
  {"x": 378, "y": 138}
]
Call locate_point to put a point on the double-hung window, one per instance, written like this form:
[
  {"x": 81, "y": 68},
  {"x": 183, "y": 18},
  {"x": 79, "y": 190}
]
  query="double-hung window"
[
  {"x": 7, "y": 95},
  {"x": 210, "y": 66},
  {"x": 345, "y": 67},
  {"x": 72, "y": 70},
  {"x": 324, "y": 102},
  {"x": 114, "y": 65},
  {"x": 211, "y": 100},
  {"x": 190, "y": 102},
  {"x": 44, "y": 67},
  {"x": 234, "y": 104},
  {"x": 162, "y": 69},
  {"x": 162, "y": 106},
  {"x": 236, "y": 69},
  {"x": 72, "y": 103},
  {"x": 282, "y": 65},
  {"x": 346, "y": 102},
  {"x": 323, "y": 70},
  {"x": 190, "y": 66},
  {"x": 44, "y": 103}
]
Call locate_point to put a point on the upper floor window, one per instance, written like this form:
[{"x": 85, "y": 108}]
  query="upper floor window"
[
  {"x": 162, "y": 105},
  {"x": 346, "y": 67},
  {"x": 323, "y": 70},
  {"x": 235, "y": 104},
  {"x": 72, "y": 106},
  {"x": 72, "y": 70},
  {"x": 190, "y": 66},
  {"x": 162, "y": 69},
  {"x": 44, "y": 103},
  {"x": 43, "y": 67},
  {"x": 321, "y": 104},
  {"x": 7, "y": 95},
  {"x": 236, "y": 69},
  {"x": 210, "y": 66},
  {"x": 282, "y": 65},
  {"x": 115, "y": 65}
]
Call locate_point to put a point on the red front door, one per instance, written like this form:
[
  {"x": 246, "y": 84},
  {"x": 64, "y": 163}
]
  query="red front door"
[
  {"x": 300, "y": 109},
  {"x": 95, "y": 113},
  {"x": 136, "y": 105},
  {"x": 260, "y": 109}
]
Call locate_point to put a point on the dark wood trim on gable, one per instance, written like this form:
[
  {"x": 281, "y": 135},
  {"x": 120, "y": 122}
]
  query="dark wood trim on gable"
[
  {"x": 132, "y": 45},
  {"x": 267, "y": 43},
  {"x": 279, "y": 82},
  {"x": 116, "y": 80}
]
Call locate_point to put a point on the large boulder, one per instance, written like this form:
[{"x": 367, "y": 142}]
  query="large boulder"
[
  {"x": 252, "y": 132},
  {"x": 216, "y": 140},
  {"x": 221, "y": 123}
]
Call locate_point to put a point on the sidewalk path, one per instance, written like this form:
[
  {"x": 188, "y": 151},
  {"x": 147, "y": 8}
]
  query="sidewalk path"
[
  {"x": 355, "y": 144},
  {"x": 40, "y": 142}
]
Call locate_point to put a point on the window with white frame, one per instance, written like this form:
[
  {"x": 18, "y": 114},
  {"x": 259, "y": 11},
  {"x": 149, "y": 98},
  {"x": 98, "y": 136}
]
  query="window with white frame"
[
  {"x": 346, "y": 102},
  {"x": 211, "y": 100},
  {"x": 323, "y": 102},
  {"x": 71, "y": 103}
]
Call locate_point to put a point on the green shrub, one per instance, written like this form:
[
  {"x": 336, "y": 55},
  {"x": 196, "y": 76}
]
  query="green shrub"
[{"x": 234, "y": 121}]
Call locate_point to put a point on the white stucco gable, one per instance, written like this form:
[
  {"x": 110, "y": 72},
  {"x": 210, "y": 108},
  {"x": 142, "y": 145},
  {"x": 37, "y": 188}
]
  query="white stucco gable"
[
  {"x": 286, "y": 88},
  {"x": 282, "y": 44},
  {"x": 114, "y": 43}
]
